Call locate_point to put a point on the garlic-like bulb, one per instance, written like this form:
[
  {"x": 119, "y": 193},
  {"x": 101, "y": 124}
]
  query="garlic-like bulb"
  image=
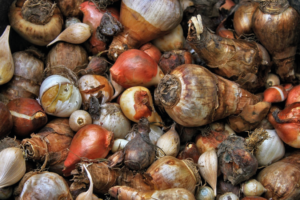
[
  {"x": 12, "y": 167},
  {"x": 228, "y": 195},
  {"x": 205, "y": 193},
  {"x": 155, "y": 133},
  {"x": 252, "y": 188},
  {"x": 172, "y": 41},
  {"x": 59, "y": 97},
  {"x": 136, "y": 102},
  {"x": 88, "y": 195},
  {"x": 119, "y": 144},
  {"x": 75, "y": 34},
  {"x": 208, "y": 165},
  {"x": 271, "y": 150},
  {"x": 42, "y": 185},
  {"x": 170, "y": 142},
  {"x": 6, "y": 60},
  {"x": 113, "y": 119}
]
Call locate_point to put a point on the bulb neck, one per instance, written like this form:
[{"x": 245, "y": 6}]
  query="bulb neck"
[{"x": 274, "y": 7}]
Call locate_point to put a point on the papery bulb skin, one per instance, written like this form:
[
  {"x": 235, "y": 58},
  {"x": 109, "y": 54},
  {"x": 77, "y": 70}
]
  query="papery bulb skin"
[
  {"x": 112, "y": 118},
  {"x": 293, "y": 96},
  {"x": 276, "y": 25},
  {"x": 50, "y": 145},
  {"x": 136, "y": 102},
  {"x": 275, "y": 94},
  {"x": 242, "y": 20},
  {"x": 28, "y": 116},
  {"x": 91, "y": 141},
  {"x": 41, "y": 185},
  {"x": 158, "y": 17},
  {"x": 152, "y": 51},
  {"x": 170, "y": 172},
  {"x": 59, "y": 96},
  {"x": 6, "y": 59},
  {"x": 246, "y": 63},
  {"x": 181, "y": 93},
  {"x": 270, "y": 150},
  {"x": 136, "y": 68},
  {"x": 286, "y": 123},
  {"x": 281, "y": 179},
  {"x": 41, "y": 31}
]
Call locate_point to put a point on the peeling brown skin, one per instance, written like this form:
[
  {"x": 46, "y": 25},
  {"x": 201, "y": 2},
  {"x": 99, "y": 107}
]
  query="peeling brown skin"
[
  {"x": 237, "y": 60},
  {"x": 49, "y": 142},
  {"x": 282, "y": 178},
  {"x": 97, "y": 66},
  {"x": 142, "y": 105},
  {"x": 236, "y": 163}
]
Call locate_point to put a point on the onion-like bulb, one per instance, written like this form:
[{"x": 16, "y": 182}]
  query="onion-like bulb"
[
  {"x": 142, "y": 25},
  {"x": 170, "y": 172},
  {"x": 59, "y": 97},
  {"x": 136, "y": 102},
  {"x": 41, "y": 31},
  {"x": 135, "y": 68},
  {"x": 276, "y": 25},
  {"x": 43, "y": 185},
  {"x": 272, "y": 80},
  {"x": 118, "y": 145},
  {"x": 242, "y": 20},
  {"x": 113, "y": 119},
  {"x": 181, "y": 93},
  {"x": 12, "y": 167},
  {"x": 6, "y": 59}
]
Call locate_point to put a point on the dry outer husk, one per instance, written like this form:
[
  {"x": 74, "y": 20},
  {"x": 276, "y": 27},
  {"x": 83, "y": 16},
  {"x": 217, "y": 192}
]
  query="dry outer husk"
[
  {"x": 246, "y": 63},
  {"x": 50, "y": 145},
  {"x": 104, "y": 178}
]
